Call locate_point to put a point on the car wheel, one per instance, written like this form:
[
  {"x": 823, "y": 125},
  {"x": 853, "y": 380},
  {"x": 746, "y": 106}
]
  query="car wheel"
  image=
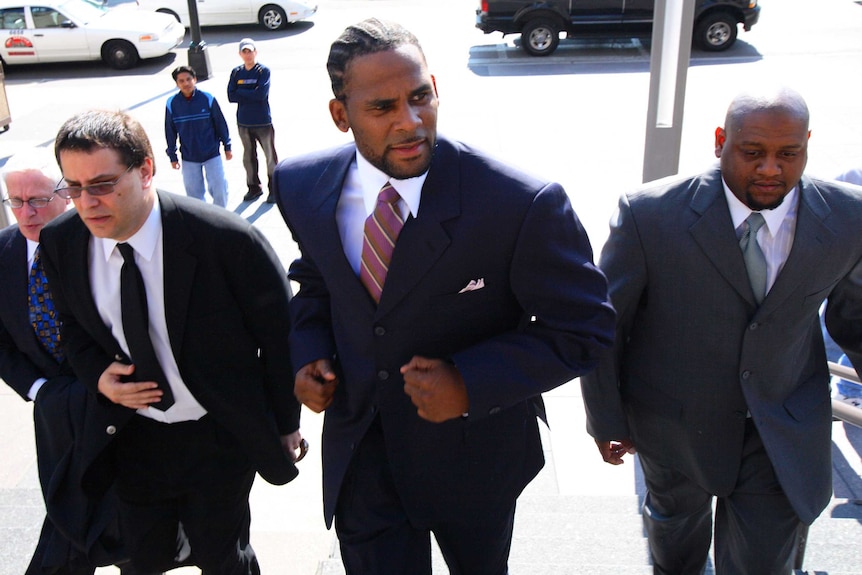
[
  {"x": 272, "y": 17},
  {"x": 715, "y": 32},
  {"x": 169, "y": 13},
  {"x": 119, "y": 54},
  {"x": 540, "y": 37}
]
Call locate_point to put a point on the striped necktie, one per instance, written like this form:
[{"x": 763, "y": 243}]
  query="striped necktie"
[
  {"x": 381, "y": 231},
  {"x": 43, "y": 316}
]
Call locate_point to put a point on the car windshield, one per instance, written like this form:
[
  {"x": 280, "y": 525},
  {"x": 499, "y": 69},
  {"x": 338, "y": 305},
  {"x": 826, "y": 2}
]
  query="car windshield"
[{"x": 82, "y": 11}]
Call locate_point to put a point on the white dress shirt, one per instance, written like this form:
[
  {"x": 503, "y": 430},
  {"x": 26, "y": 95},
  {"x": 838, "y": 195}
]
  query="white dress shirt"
[
  {"x": 105, "y": 264},
  {"x": 776, "y": 237},
  {"x": 359, "y": 198}
]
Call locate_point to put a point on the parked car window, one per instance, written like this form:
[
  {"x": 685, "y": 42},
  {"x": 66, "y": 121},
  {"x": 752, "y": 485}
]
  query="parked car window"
[
  {"x": 12, "y": 18},
  {"x": 45, "y": 17}
]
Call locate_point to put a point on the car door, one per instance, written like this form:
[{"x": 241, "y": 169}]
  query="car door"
[
  {"x": 638, "y": 11},
  {"x": 17, "y": 46},
  {"x": 596, "y": 13},
  {"x": 55, "y": 37},
  {"x": 217, "y": 12}
]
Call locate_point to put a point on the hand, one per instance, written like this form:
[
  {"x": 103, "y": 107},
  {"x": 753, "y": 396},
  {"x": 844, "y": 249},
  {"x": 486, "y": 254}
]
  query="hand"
[
  {"x": 436, "y": 388},
  {"x": 228, "y": 155},
  {"x": 175, "y": 165},
  {"x": 613, "y": 451},
  {"x": 134, "y": 395},
  {"x": 293, "y": 442},
  {"x": 315, "y": 385}
]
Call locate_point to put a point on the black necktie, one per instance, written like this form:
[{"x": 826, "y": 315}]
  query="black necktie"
[{"x": 133, "y": 300}]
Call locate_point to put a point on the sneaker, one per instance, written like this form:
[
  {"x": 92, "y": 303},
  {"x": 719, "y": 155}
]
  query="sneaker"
[
  {"x": 252, "y": 195},
  {"x": 270, "y": 199}
]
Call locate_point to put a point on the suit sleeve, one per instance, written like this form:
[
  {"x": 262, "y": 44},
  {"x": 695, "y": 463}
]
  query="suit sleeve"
[
  {"x": 623, "y": 261},
  {"x": 264, "y": 296},
  {"x": 567, "y": 319},
  {"x": 16, "y": 369},
  {"x": 844, "y": 315}
]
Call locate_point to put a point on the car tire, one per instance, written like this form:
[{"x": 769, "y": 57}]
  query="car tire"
[
  {"x": 169, "y": 13},
  {"x": 540, "y": 37},
  {"x": 272, "y": 17},
  {"x": 119, "y": 54},
  {"x": 715, "y": 32}
]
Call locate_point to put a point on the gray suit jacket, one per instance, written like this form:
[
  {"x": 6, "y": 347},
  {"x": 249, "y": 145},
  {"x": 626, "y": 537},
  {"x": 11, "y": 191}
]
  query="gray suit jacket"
[{"x": 694, "y": 352}]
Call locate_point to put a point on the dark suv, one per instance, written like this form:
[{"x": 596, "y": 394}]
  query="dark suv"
[{"x": 540, "y": 21}]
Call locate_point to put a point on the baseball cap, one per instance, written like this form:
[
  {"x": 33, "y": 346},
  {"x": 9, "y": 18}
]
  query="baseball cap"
[{"x": 246, "y": 43}]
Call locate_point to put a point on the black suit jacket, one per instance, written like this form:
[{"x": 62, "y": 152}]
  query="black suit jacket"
[
  {"x": 226, "y": 306},
  {"x": 539, "y": 321},
  {"x": 64, "y": 414}
]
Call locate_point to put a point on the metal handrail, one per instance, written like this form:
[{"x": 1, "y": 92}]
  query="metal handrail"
[{"x": 841, "y": 410}]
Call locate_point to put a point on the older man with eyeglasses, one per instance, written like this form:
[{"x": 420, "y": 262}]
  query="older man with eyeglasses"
[{"x": 32, "y": 363}]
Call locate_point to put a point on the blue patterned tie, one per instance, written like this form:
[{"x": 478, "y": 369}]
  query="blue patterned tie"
[{"x": 43, "y": 316}]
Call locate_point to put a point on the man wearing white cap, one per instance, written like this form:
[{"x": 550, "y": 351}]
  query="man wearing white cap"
[{"x": 248, "y": 88}]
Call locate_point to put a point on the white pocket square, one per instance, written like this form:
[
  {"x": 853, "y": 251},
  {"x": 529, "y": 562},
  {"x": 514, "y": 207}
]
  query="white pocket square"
[{"x": 474, "y": 285}]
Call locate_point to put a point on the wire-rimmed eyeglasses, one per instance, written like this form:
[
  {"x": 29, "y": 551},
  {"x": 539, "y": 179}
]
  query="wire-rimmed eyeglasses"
[
  {"x": 99, "y": 189},
  {"x": 36, "y": 203}
]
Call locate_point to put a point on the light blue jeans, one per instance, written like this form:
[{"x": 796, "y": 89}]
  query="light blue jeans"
[{"x": 193, "y": 179}]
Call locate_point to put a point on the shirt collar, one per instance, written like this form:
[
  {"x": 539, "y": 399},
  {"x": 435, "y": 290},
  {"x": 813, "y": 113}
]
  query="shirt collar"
[
  {"x": 774, "y": 217},
  {"x": 31, "y": 250},
  {"x": 144, "y": 240},
  {"x": 371, "y": 179}
]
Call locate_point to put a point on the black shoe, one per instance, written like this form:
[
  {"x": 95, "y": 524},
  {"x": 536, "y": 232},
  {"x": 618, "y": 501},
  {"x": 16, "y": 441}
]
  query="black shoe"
[
  {"x": 270, "y": 199},
  {"x": 252, "y": 195}
]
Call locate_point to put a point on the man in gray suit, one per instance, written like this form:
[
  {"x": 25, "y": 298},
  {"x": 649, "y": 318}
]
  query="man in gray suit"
[{"x": 718, "y": 377}]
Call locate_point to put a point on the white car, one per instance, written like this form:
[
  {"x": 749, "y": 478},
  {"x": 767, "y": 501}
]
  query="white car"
[
  {"x": 271, "y": 14},
  {"x": 35, "y": 31}
]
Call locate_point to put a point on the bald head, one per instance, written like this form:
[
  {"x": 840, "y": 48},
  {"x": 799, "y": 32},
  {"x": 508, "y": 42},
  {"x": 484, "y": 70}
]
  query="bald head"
[{"x": 782, "y": 100}]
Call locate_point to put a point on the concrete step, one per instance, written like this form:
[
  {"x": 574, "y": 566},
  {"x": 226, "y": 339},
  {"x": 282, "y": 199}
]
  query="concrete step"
[{"x": 21, "y": 514}]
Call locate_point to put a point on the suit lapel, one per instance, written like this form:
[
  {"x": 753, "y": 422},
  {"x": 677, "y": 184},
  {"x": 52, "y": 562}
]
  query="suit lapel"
[
  {"x": 424, "y": 238},
  {"x": 179, "y": 270},
  {"x": 811, "y": 240},
  {"x": 323, "y": 203},
  {"x": 715, "y": 234}
]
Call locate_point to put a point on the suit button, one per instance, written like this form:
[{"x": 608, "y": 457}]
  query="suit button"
[
  {"x": 111, "y": 430},
  {"x": 494, "y": 411},
  {"x": 383, "y": 375},
  {"x": 746, "y": 374},
  {"x": 753, "y": 326},
  {"x": 379, "y": 330},
  {"x": 118, "y": 357}
]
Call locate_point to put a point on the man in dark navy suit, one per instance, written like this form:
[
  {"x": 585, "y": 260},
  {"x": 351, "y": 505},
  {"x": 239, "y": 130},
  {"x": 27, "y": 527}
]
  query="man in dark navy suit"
[{"x": 441, "y": 292}]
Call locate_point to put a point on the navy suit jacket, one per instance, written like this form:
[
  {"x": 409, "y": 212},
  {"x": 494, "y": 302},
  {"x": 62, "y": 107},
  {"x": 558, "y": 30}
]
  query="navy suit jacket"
[
  {"x": 226, "y": 298},
  {"x": 539, "y": 321},
  {"x": 694, "y": 351}
]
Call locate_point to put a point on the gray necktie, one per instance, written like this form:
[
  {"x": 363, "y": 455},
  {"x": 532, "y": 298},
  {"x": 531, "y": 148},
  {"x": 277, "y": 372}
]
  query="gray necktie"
[{"x": 755, "y": 261}]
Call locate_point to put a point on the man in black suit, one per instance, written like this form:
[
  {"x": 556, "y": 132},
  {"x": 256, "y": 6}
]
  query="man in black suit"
[
  {"x": 79, "y": 532},
  {"x": 429, "y": 359},
  {"x": 209, "y": 403}
]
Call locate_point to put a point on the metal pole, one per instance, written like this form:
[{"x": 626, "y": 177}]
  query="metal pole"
[
  {"x": 199, "y": 58},
  {"x": 669, "y": 56}
]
